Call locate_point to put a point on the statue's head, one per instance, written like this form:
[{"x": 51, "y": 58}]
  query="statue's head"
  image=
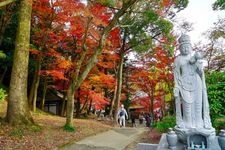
[
  {"x": 185, "y": 44},
  {"x": 184, "y": 39}
]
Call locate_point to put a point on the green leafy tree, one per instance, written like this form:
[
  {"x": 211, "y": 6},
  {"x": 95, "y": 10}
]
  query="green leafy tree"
[
  {"x": 216, "y": 94},
  {"x": 219, "y": 5},
  {"x": 142, "y": 27}
]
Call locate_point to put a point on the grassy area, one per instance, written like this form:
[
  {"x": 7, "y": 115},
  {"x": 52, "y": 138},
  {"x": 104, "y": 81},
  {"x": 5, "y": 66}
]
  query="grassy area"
[{"x": 48, "y": 133}]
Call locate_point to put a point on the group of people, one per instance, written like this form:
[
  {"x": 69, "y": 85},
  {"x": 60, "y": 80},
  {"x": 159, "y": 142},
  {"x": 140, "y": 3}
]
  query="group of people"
[
  {"x": 147, "y": 117},
  {"x": 122, "y": 116}
]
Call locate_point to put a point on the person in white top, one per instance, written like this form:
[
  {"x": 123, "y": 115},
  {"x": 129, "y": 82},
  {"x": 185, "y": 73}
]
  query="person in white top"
[{"x": 122, "y": 113}]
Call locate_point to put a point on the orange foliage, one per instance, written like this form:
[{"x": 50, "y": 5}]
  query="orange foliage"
[
  {"x": 58, "y": 75},
  {"x": 64, "y": 64},
  {"x": 166, "y": 3}
]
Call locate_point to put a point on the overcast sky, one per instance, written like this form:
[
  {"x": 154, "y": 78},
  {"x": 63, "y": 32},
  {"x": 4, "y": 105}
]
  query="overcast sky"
[{"x": 200, "y": 13}]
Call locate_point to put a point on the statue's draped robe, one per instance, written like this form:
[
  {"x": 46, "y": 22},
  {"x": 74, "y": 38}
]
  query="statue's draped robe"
[{"x": 192, "y": 108}]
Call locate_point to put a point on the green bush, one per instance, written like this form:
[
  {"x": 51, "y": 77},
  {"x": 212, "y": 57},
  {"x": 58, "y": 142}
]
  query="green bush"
[
  {"x": 219, "y": 123},
  {"x": 215, "y": 82},
  {"x": 2, "y": 94},
  {"x": 166, "y": 123}
]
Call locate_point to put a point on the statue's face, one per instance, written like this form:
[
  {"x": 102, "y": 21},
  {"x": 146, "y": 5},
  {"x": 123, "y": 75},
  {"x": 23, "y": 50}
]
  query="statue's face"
[{"x": 185, "y": 48}]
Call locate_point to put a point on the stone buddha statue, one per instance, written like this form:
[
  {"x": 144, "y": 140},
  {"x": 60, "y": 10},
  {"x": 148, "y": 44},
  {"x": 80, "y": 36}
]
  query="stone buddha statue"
[
  {"x": 193, "y": 124},
  {"x": 192, "y": 108}
]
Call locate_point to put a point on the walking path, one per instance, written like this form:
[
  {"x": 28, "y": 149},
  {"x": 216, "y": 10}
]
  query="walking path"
[{"x": 115, "y": 139}]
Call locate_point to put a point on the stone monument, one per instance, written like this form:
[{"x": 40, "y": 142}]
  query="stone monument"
[
  {"x": 192, "y": 108},
  {"x": 193, "y": 124},
  {"x": 193, "y": 130}
]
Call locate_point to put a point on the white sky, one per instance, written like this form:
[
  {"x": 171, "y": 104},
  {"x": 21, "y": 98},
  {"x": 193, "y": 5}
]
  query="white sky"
[{"x": 200, "y": 13}]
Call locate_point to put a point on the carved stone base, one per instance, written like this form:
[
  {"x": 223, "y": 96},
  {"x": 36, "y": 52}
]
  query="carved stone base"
[
  {"x": 163, "y": 145},
  {"x": 196, "y": 135}
]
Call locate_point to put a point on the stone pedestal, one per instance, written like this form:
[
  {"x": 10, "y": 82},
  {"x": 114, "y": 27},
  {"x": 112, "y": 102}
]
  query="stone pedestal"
[
  {"x": 146, "y": 146},
  {"x": 163, "y": 145},
  {"x": 196, "y": 136}
]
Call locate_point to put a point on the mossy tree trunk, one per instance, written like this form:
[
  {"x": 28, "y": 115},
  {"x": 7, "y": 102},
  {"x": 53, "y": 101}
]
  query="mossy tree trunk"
[
  {"x": 70, "y": 105},
  {"x": 34, "y": 87},
  {"x": 18, "y": 111},
  {"x": 112, "y": 102},
  {"x": 120, "y": 76},
  {"x": 44, "y": 94}
]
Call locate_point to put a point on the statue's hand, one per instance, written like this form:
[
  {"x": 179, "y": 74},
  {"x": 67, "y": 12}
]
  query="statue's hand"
[{"x": 198, "y": 55}]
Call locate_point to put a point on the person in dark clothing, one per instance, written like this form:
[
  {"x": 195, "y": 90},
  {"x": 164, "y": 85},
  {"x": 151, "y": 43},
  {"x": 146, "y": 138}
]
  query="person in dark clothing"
[
  {"x": 132, "y": 117},
  {"x": 148, "y": 120},
  {"x": 141, "y": 118}
]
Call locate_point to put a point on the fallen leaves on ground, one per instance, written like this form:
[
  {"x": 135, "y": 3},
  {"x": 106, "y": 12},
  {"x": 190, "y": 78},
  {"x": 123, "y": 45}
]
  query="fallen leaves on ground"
[{"x": 49, "y": 133}]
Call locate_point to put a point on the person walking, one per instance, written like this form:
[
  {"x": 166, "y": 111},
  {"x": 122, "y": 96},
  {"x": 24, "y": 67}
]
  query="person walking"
[
  {"x": 122, "y": 113},
  {"x": 132, "y": 117}
]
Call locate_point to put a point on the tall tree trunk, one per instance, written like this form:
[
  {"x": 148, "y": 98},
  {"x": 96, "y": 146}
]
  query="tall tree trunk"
[
  {"x": 35, "y": 94},
  {"x": 31, "y": 94},
  {"x": 70, "y": 105},
  {"x": 18, "y": 111},
  {"x": 62, "y": 113},
  {"x": 44, "y": 94},
  {"x": 119, "y": 86},
  {"x": 85, "y": 105},
  {"x": 3, "y": 74},
  {"x": 120, "y": 76},
  {"x": 89, "y": 108},
  {"x": 34, "y": 87},
  {"x": 78, "y": 105},
  {"x": 152, "y": 104},
  {"x": 113, "y": 102}
]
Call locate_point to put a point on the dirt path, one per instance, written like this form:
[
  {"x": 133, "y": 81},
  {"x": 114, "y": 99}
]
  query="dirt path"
[
  {"x": 151, "y": 136},
  {"x": 115, "y": 139}
]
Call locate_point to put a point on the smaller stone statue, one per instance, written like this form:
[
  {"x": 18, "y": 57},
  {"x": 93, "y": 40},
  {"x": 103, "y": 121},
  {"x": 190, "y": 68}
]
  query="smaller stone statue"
[
  {"x": 221, "y": 139},
  {"x": 172, "y": 139}
]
